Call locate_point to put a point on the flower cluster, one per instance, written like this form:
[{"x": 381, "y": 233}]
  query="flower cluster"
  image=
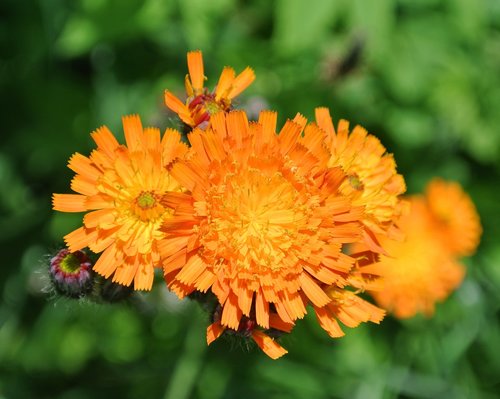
[{"x": 251, "y": 217}]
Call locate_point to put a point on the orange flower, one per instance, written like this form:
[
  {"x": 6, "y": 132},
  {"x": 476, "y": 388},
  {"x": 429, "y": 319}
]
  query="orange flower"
[
  {"x": 455, "y": 216},
  {"x": 201, "y": 103},
  {"x": 122, "y": 188},
  {"x": 371, "y": 172},
  {"x": 420, "y": 270},
  {"x": 263, "y": 223}
]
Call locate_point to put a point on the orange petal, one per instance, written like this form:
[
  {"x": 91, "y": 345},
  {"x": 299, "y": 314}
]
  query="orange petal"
[
  {"x": 84, "y": 186},
  {"x": 103, "y": 217},
  {"x": 300, "y": 120},
  {"x": 192, "y": 270},
  {"x": 313, "y": 291},
  {"x": 105, "y": 140},
  {"x": 171, "y": 245},
  {"x": 268, "y": 345},
  {"x": 225, "y": 81},
  {"x": 79, "y": 239},
  {"x": 231, "y": 313},
  {"x": 237, "y": 126},
  {"x": 107, "y": 262},
  {"x": 282, "y": 312},
  {"x": 174, "y": 262},
  {"x": 186, "y": 176},
  {"x": 324, "y": 120},
  {"x": 69, "y": 202},
  {"x": 152, "y": 138},
  {"x": 288, "y": 136},
  {"x": 205, "y": 281},
  {"x": 196, "y": 73},
  {"x": 144, "y": 277},
  {"x": 241, "y": 82},
  {"x": 179, "y": 108},
  {"x": 84, "y": 166},
  {"x": 218, "y": 122},
  {"x": 99, "y": 201},
  {"x": 268, "y": 121},
  {"x": 171, "y": 146},
  {"x": 132, "y": 128},
  {"x": 328, "y": 322},
  {"x": 214, "y": 331},
  {"x": 104, "y": 240},
  {"x": 261, "y": 310},
  {"x": 278, "y": 324},
  {"x": 125, "y": 271},
  {"x": 245, "y": 297}
]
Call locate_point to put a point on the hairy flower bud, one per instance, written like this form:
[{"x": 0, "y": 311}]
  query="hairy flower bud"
[{"x": 71, "y": 273}]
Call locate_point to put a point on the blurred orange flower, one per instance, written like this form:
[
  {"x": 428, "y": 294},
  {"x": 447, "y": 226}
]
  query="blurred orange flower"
[
  {"x": 201, "y": 103},
  {"x": 423, "y": 268},
  {"x": 122, "y": 187},
  {"x": 455, "y": 216}
]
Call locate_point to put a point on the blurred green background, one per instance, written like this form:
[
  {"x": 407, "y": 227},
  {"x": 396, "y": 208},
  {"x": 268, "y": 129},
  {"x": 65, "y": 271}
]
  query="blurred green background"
[{"x": 424, "y": 76}]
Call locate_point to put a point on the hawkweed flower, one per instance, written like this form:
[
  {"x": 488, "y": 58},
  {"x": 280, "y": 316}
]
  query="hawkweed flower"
[
  {"x": 121, "y": 187},
  {"x": 371, "y": 180},
  {"x": 262, "y": 224},
  {"x": 423, "y": 268},
  {"x": 202, "y": 103},
  {"x": 71, "y": 273}
]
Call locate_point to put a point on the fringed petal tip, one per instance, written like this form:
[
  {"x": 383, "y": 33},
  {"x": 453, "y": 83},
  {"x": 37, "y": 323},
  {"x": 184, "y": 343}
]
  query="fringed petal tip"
[
  {"x": 69, "y": 202},
  {"x": 241, "y": 82}
]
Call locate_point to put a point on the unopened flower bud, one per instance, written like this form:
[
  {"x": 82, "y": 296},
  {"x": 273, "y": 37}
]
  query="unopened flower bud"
[{"x": 71, "y": 273}]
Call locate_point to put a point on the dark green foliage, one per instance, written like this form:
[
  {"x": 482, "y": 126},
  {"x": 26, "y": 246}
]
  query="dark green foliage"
[{"x": 421, "y": 75}]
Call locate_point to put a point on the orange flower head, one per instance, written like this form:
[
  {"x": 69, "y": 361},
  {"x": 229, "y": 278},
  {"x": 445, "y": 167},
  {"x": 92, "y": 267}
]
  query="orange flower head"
[
  {"x": 122, "y": 187},
  {"x": 423, "y": 269},
  {"x": 455, "y": 216},
  {"x": 371, "y": 175},
  {"x": 201, "y": 103},
  {"x": 263, "y": 223}
]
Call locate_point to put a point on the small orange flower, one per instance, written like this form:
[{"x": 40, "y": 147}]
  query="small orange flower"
[
  {"x": 455, "y": 216},
  {"x": 201, "y": 103},
  {"x": 371, "y": 175},
  {"x": 420, "y": 270},
  {"x": 262, "y": 225},
  {"x": 122, "y": 187}
]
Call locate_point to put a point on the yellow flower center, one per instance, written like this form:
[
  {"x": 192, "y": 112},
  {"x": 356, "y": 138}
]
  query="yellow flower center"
[
  {"x": 213, "y": 107},
  {"x": 146, "y": 200},
  {"x": 70, "y": 263},
  {"x": 147, "y": 207},
  {"x": 355, "y": 182},
  {"x": 256, "y": 219}
]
